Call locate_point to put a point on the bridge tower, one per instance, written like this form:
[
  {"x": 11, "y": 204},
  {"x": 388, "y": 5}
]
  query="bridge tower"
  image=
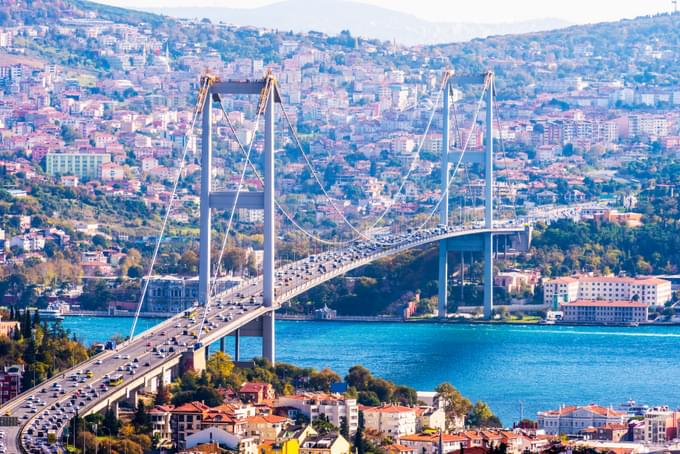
[
  {"x": 483, "y": 242},
  {"x": 227, "y": 200}
]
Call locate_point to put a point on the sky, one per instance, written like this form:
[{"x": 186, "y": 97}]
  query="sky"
[{"x": 485, "y": 11}]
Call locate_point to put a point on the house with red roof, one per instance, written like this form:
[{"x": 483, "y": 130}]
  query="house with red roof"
[{"x": 254, "y": 392}]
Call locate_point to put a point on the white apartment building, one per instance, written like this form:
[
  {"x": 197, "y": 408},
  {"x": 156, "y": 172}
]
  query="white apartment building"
[
  {"x": 78, "y": 164},
  {"x": 335, "y": 407},
  {"x": 571, "y": 420},
  {"x": 651, "y": 291},
  {"x": 391, "y": 420}
]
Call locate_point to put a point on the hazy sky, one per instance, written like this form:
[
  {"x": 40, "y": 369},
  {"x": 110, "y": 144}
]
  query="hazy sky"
[{"x": 578, "y": 11}]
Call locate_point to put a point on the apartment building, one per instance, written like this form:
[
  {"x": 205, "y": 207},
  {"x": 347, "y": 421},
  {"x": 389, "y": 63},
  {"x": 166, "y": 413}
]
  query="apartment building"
[
  {"x": 651, "y": 291},
  {"x": 661, "y": 425},
  {"x": 571, "y": 420},
  {"x": 428, "y": 443},
  {"x": 82, "y": 165},
  {"x": 335, "y": 407},
  {"x": 391, "y": 420}
]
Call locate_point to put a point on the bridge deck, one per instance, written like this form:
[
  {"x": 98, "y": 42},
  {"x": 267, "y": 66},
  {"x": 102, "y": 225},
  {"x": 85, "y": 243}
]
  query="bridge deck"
[{"x": 230, "y": 310}]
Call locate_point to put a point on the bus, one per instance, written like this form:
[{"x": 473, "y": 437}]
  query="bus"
[
  {"x": 116, "y": 380},
  {"x": 190, "y": 313}
]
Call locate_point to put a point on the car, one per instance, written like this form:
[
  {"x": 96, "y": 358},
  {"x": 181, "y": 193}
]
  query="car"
[
  {"x": 147, "y": 364},
  {"x": 99, "y": 362}
]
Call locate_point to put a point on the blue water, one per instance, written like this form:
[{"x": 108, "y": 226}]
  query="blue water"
[{"x": 539, "y": 366}]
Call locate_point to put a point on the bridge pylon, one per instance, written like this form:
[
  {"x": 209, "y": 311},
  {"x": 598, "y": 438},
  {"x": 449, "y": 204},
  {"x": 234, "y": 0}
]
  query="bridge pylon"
[
  {"x": 228, "y": 200},
  {"x": 486, "y": 160}
]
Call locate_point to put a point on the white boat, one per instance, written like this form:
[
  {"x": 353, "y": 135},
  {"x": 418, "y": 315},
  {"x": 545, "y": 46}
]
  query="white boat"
[{"x": 54, "y": 311}]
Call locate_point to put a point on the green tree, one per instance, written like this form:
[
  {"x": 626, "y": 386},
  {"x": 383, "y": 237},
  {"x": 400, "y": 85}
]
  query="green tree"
[
  {"x": 359, "y": 435},
  {"x": 481, "y": 416},
  {"x": 455, "y": 405}
]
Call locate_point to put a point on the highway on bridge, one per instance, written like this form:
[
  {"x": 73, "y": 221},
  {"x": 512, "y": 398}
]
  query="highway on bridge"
[{"x": 86, "y": 388}]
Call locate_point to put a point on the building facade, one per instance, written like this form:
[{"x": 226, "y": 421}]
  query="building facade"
[
  {"x": 651, "y": 291},
  {"x": 391, "y": 420},
  {"x": 78, "y": 164},
  {"x": 572, "y": 420},
  {"x": 335, "y": 407},
  {"x": 629, "y": 312}
]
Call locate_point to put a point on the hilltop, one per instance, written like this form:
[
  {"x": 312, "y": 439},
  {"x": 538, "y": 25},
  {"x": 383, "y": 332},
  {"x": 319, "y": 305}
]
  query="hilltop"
[{"x": 367, "y": 21}]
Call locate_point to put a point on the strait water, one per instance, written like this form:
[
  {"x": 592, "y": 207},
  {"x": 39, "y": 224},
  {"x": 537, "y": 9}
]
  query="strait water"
[{"x": 508, "y": 366}]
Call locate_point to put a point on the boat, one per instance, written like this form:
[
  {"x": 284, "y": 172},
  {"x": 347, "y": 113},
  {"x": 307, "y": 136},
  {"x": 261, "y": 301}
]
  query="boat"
[
  {"x": 633, "y": 408},
  {"x": 54, "y": 311}
]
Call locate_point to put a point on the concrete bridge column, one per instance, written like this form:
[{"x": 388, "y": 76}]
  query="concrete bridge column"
[
  {"x": 237, "y": 345},
  {"x": 488, "y": 275},
  {"x": 443, "y": 294}
]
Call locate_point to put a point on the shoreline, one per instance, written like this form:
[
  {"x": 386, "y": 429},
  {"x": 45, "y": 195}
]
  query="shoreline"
[{"x": 380, "y": 319}]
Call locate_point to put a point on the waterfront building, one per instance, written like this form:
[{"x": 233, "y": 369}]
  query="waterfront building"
[
  {"x": 178, "y": 293},
  {"x": 391, "y": 420},
  {"x": 78, "y": 164},
  {"x": 651, "y": 291},
  {"x": 335, "y": 407},
  {"x": 572, "y": 420},
  {"x": 584, "y": 311},
  {"x": 661, "y": 425}
]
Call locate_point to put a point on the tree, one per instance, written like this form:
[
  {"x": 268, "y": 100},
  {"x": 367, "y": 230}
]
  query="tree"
[
  {"x": 162, "y": 394},
  {"x": 481, "y": 416},
  {"x": 344, "y": 428},
  {"x": 141, "y": 419},
  {"x": 359, "y": 435},
  {"x": 455, "y": 405},
  {"x": 358, "y": 377},
  {"x": 188, "y": 263},
  {"x": 111, "y": 422},
  {"x": 220, "y": 367}
]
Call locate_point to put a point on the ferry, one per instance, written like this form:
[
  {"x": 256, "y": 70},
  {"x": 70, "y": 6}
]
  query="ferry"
[
  {"x": 54, "y": 311},
  {"x": 633, "y": 408}
]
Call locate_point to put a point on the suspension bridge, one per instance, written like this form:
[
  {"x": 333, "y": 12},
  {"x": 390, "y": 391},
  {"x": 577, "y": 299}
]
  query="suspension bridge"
[{"x": 182, "y": 342}]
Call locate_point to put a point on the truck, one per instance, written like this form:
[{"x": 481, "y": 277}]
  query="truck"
[{"x": 111, "y": 345}]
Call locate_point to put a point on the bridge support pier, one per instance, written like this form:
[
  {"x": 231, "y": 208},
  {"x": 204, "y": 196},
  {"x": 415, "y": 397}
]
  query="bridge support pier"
[
  {"x": 237, "y": 345},
  {"x": 488, "y": 276},
  {"x": 268, "y": 336},
  {"x": 443, "y": 294}
]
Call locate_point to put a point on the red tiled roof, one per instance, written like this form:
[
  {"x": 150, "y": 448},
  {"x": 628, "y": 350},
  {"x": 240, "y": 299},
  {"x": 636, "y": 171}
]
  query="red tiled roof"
[
  {"x": 388, "y": 409},
  {"x": 191, "y": 407},
  {"x": 266, "y": 419}
]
